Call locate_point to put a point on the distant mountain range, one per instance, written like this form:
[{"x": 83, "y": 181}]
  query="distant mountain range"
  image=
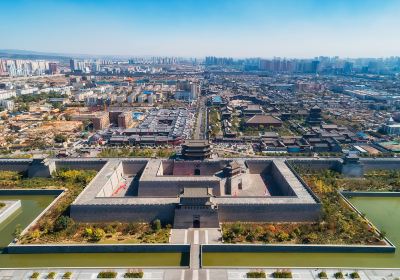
[{"x": 28, "y": 54}]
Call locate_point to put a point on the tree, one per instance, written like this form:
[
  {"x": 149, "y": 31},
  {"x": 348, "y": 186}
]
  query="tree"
[
  {"x": 156, "y": 225},
  {"x": 62, "y": 223},
  {"x": 251, "y": 236},
  {"x": 23, "y": 107},
  {"x": 9, "y": 139},
  {"x": 59, "y": 138},
  {"x": 282, "y": 236},
  {"x": 38, "y": 143},
  {"x": 238, "y": 228},
  {"x": 242, "y": 124},
  {"x": 310, "y": 238}
]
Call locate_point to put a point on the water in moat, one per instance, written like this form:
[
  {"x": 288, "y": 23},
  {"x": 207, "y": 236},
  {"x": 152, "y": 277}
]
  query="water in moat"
[
  {"x": 32, "y": 205},
  {"x": 384, "y": 212}
]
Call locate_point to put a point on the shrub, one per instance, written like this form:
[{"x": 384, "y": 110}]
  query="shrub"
[
  {"x": 227, "y": 236},
  {"x": 266, "y": 237},
  {"x": 282, "y": 274},
  {"x": 131, "y": 228},
  {"x": 35, "y": 275},
  {"x": 109, "y": 229},
  {"x": 62, "y": 223},
  {"x": 256, "y": 274},
  {"x": 282, "y": 236},
  {"x": 107, "y": 274},
  {"x": 238, "y": 228},
  {"x": 310, "y": 238},
  {"x": 67, "y": 275},
  {"x": 35, "y": 234},
  {"x": 251, "y": 236},
  {"x": 322, "y": 275},
  {"x": 97, "y": 235},
  {"x": 94, "y": 234},
  {"x": 297, "y": 231},
  {"x": 338, "y": 275},
  {"x": 10, "y": 175},
  {"x": 156, "y": 225},
  {"x": 354, "y": 275},
  {"x": 134, "y": 274},
  {"x": 88, "y": 232},
  {"x": 271, "y": 228},
  {"x": 51, "y": 275},
  {"x": 76, "y": 176}
]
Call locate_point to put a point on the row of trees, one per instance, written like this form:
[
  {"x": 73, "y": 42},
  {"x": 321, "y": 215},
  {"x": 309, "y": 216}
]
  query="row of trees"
[
  {"x": 137, "y": 152},
  {"x": 214, "y": 122},
  {"x": 375, "y": 180}
]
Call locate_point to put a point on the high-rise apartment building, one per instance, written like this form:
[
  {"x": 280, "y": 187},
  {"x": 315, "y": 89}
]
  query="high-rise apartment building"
[
  {"x": 101, "y": 121},
  {"x": 53, "y": 68}
]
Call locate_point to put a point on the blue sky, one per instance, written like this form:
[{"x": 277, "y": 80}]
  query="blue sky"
[{"x": 238, "y": 28}]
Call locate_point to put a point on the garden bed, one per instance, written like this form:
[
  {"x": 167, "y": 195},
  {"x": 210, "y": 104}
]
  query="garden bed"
[
  {"x": 55, "y": 226},
  {"x": 339, "y": 223}
]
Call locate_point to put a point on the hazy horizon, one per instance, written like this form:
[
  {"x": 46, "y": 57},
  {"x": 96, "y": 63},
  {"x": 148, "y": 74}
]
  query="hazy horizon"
[{"x": 235, "y": 28}]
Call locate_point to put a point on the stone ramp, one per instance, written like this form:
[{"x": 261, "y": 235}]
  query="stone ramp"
[{"x": 189, "y": 236}]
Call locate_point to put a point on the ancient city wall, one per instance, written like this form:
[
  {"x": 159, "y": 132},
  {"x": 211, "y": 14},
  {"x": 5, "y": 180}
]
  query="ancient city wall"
[
  {"x": 183, "y": 218},
  {"x": 133, "y": 167},
  {"x": 350, "y": 169},
  {"x": 173, "y": 187},
  {"x": 112, "y": 182},
  {"x": 80, "y": 164},
  {"x": 318, "y": 164},
  {"x": 123, "y": 213},
  {"x": 15, "y": 165},
  {"x": 379, "y": 164},
  {"x": 187, "y": 168},
  {"x": 269, "y": 212},
  {"x": 258, "y": 166},
  {"x": 281, "y": 181}
]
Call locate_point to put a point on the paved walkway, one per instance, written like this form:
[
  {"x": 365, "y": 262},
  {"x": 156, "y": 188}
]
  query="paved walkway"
[
  {"x": 153, "y": 274},
  {"x": 195, "y": 237},
  {"x": 367, "y": 274},
  {"x": 200, "y": 125},
  {"x": 198, "y": 274}
]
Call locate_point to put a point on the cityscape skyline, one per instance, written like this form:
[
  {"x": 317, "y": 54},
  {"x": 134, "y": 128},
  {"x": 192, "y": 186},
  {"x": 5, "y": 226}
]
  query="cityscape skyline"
[
  {"x": 27, "y": 54},
  {"x": 197, "y": 29}
]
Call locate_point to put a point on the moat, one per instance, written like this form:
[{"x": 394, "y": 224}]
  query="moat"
[
  {"x": 32, "y": 205},
  {"x": 382, "y": 211}
]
